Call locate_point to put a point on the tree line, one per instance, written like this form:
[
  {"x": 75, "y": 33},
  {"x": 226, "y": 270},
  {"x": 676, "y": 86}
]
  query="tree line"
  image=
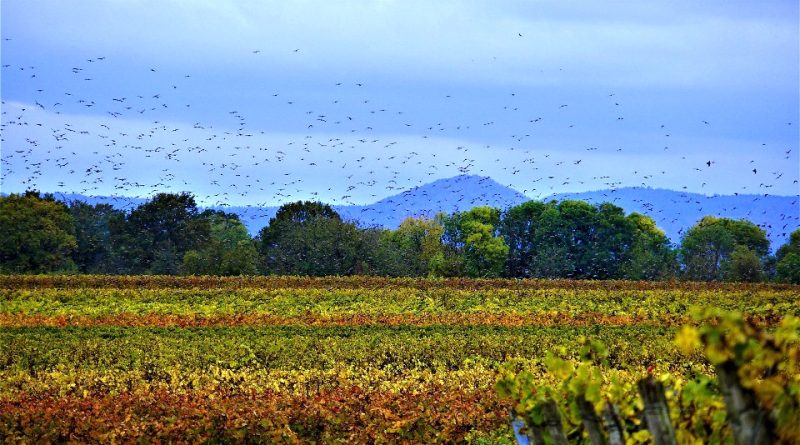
[{"x": 169, "y": 234}]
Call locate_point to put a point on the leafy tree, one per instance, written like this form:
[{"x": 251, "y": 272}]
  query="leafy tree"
[
  {"x": 788, "y": 260},
  {"x": 473, "y": 244},
  {"x": 574, "y": 239},
  {"x": 789, "y": 268},
  {"x": 229, "y": 250},
  {"x": 520, "y": 227},
  {"x": 93, "y": 235},
  {"x": 309, "y": 238},
  {"x": 123, "y": 246},
  {"x": 157, "y": 234},
  {"x": 37, "y": 234},
  {"x": 304, "y": 211},
  {"x": 708, "y": 245},
  {"x": 650, "y": 257},
  {"x": 743, "y": 266},
  {"x": 409, "y": 250}
]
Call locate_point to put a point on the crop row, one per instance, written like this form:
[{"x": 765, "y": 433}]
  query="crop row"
[
  {"x": 508, "y": 307},
  {"x": 356, "y": 282},
  {"x": 293, "y": 347},
  {"x": 431, "y": 414}
]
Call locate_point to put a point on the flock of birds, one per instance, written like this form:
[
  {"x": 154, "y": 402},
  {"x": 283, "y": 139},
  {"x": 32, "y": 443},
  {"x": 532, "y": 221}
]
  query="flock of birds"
[{"x": 137, "y": 149}]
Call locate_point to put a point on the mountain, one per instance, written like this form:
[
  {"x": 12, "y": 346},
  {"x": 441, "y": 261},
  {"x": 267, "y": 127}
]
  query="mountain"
[
  {"x": 673, "y": 211},
  {"x": 448, "y": 195},
  {"x": 118, "y": 202}
]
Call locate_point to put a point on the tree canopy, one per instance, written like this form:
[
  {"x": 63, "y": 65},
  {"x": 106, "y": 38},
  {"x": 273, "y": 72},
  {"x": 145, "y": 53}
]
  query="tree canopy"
[
  {"x": 473, "y": 245},
  {"x": 37, "y": 234},
  {"x": 788, "y": 260},
  {"x": 168, "y": 234},
  {"x": 707, "y": 247},
  {"x": 157, "y": 234},
  {"x": 309, "y": 238}
]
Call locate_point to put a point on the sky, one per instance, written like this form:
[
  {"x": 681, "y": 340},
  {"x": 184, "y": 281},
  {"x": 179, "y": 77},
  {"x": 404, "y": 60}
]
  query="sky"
[{"x": 265, "y": 102}]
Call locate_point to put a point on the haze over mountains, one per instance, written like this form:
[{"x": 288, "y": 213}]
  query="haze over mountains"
[{"x": 673, "y": 211}]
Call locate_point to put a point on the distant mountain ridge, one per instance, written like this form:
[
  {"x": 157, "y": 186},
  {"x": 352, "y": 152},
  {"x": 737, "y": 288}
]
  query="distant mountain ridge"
[{"x": 673, "y": 211}]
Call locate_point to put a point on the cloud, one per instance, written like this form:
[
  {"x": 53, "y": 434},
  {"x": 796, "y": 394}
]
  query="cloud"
[{"x": 562, "y": 43}]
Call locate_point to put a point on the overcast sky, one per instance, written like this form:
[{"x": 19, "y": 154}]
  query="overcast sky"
[{"x": 261, "y": 102}]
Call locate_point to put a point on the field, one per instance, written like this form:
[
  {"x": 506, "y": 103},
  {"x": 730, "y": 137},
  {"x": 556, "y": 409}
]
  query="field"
[{"x": 330, "y": 360}]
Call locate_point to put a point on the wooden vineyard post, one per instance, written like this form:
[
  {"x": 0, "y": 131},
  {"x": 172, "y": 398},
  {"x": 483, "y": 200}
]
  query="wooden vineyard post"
[
  {"x": 750, "y": 423},
  {"x": 616, "y": 436},
  {"x": 590, "y": 421},
  {"x": 656, "y": 411},
  {"x": 536, "y": 435},
  {"x": 552, "y": 423}
]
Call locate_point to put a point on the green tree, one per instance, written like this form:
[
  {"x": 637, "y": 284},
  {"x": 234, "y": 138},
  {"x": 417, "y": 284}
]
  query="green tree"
[
  {"x": 157, "y": 234},
  {"x": 520, "y": 227},
  {"x": 310, "y": 238},
  {"x": 37, "y": 234},
  {"x": 409, "y": 250},
  {"x": 704, "y": 248},
  {"x": 743, "y": 265},
  {"x": 574, "y": 239},
  {"x": 651, "y": 256},
  {"x": 788, "y": 260},
  {"x": 93, "y": 235},
  {"x": 708, "y": 245},
  {"x": 229, "y": 250},
  {"x": 473, "y": 244}
]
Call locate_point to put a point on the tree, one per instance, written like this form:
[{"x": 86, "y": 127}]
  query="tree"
[
  {"x": 409, "y": 250},
  {"x": 157, "y": 234},
  {"x": 788, "y": 260},
  {"x": 743, "y": 266},
  {"x": 651, "y": 257},
  {"x": 37, "y": 234},
  {"x": 704, "y": 248},
  {"x": 474, "y": 246},
  {"x": 229, "y": 250},
  {"x": 708, "y": 245},
  {"x": 309, "y": 238},
  {"x": 304, "y": 211},
  {"x": 520, "y": 228},
  {"x": 93, "y": 235},
  {"x": 574, "y": 239}
]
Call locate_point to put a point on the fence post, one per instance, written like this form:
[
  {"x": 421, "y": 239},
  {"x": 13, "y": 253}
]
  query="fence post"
[
  {"x": 656, "y": 411},
  {"x": 590, "y": 421},
  {"x": 616, "y": 435},
  {"x": 750, "y": 423},
  {"x": 552, "y": 423}
]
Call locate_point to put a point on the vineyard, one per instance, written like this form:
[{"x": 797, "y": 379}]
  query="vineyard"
[{"x": 100, "y": 359}]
